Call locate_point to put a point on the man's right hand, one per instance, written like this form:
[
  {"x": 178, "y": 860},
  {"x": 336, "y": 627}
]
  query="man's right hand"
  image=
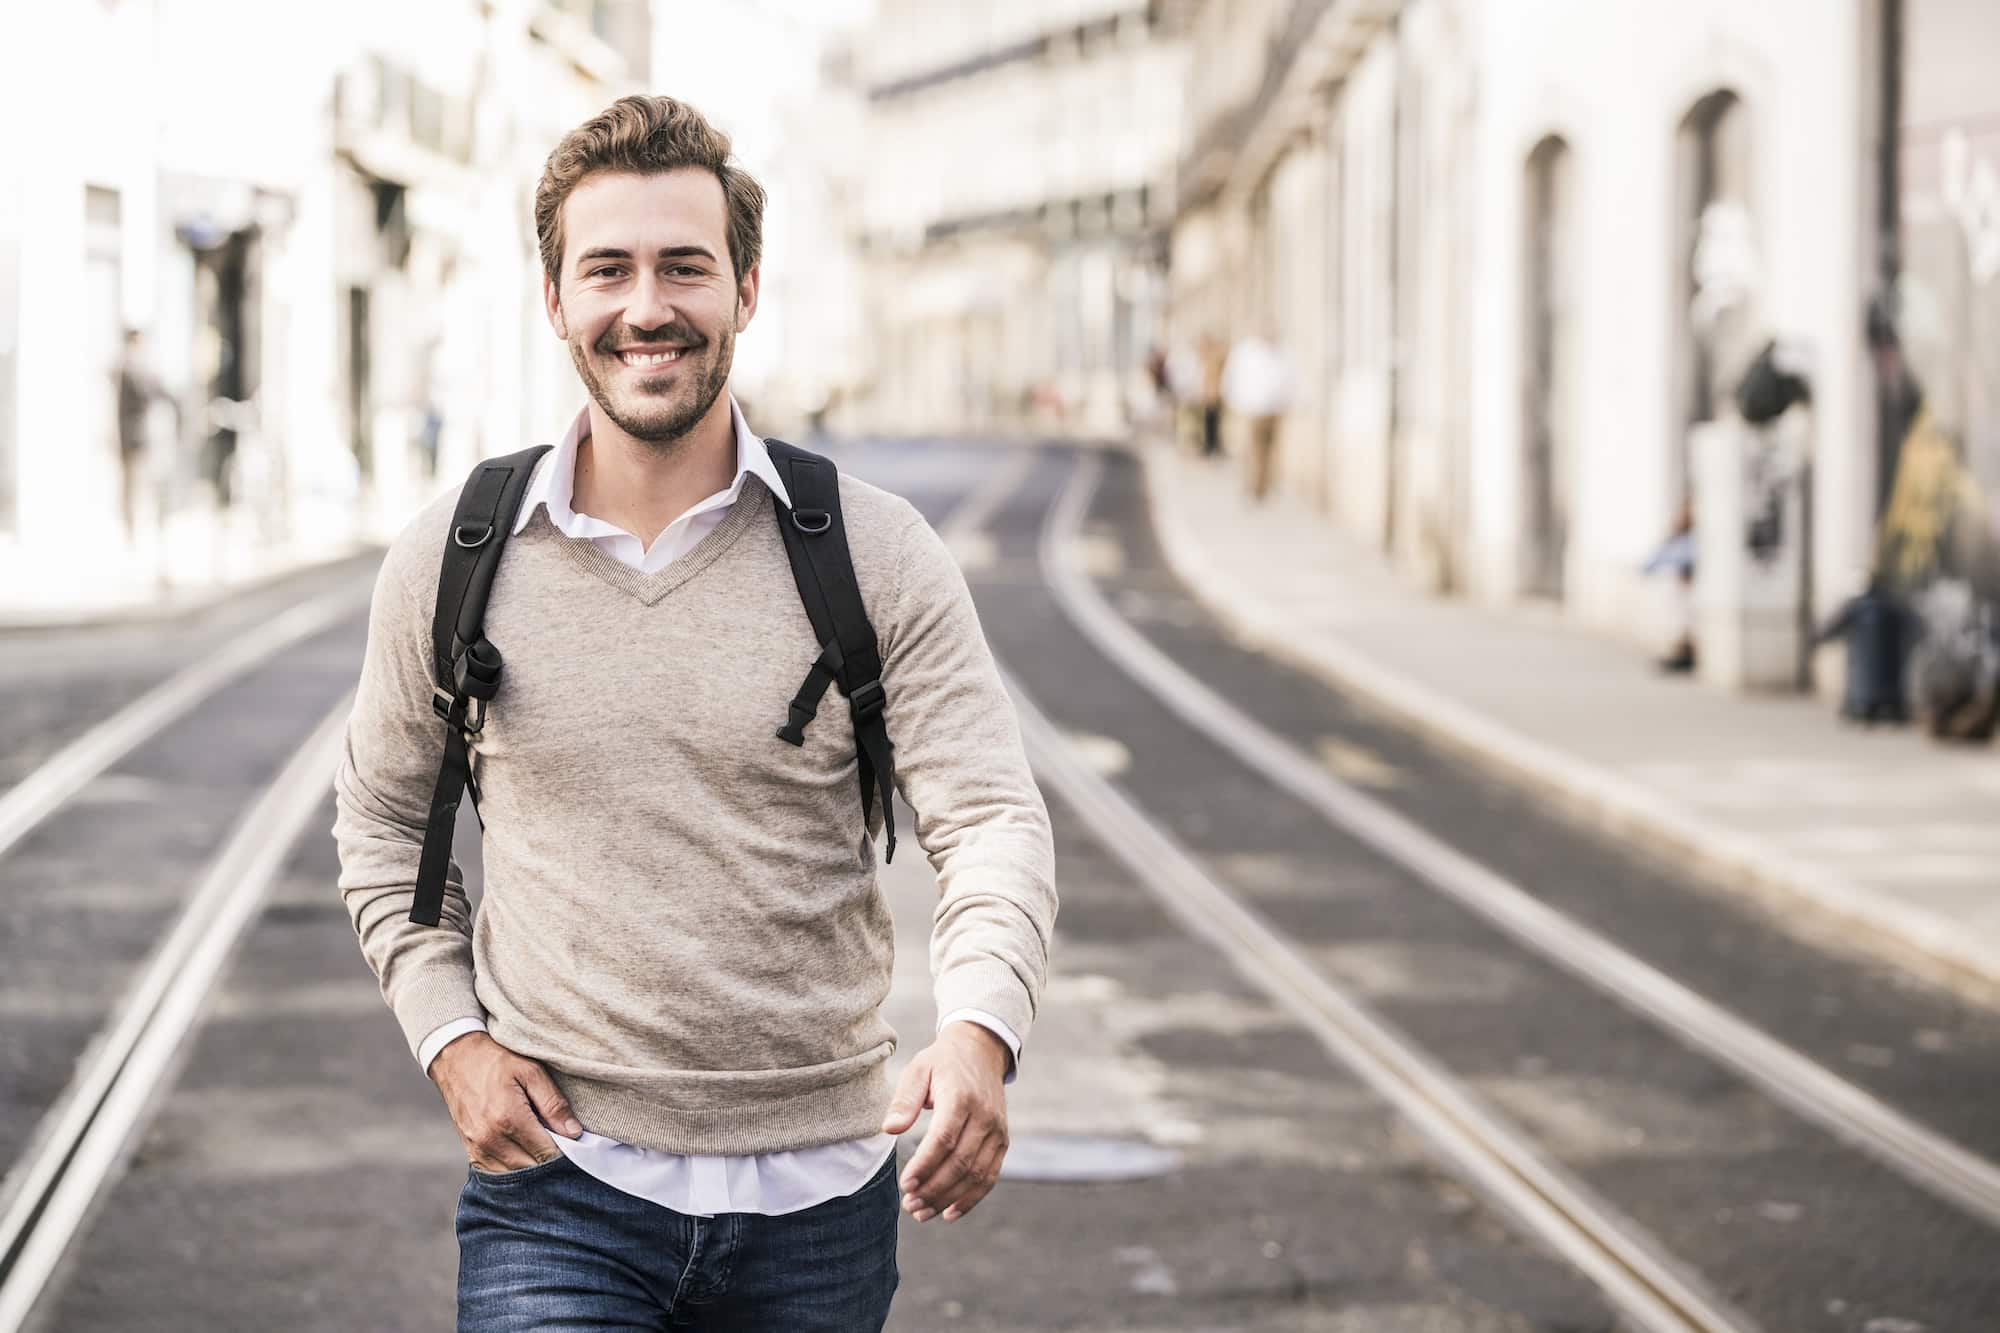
[{"x": 501, "y": 1103}]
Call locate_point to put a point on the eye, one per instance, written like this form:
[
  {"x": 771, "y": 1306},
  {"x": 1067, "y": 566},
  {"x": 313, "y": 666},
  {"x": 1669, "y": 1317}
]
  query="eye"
[{"x": 607, "y": 269}]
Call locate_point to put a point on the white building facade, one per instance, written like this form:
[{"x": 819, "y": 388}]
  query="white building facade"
[
  {"x": 1018, "y": 168},
  {"x": 1518, "y": 250},
  {"x": 321, "y": 221}
]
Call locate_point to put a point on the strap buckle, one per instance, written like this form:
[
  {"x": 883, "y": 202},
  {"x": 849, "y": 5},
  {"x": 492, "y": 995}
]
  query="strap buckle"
[
  {"x": 867, "y": 701},
  {"x": 475, "y": 710},
  {"x": 812, "y": 522}
]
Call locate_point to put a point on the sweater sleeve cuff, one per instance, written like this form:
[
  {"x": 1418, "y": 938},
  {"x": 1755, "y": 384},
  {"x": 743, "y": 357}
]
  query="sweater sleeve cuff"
[
  {"x": 991, "y": 987},
  {"x": 429, "y": 1000}
]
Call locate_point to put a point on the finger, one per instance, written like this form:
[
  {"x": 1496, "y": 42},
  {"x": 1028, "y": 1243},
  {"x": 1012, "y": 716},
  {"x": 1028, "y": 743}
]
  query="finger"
[
  {"x": 942, "y": 1193},
  {"x": 494, "y": 1151},
  {"x": 943, "y": 1179},
  {"x": 531, "y": 1137},
  {"x": 963, "y": 1171},
  {"x": 913, "y": 1094},
  {"x": 989, "y": 1176},
  {"x": 548, "y": 1102},
  {"x": 521, "y": 1127},
  {"x": 946, "y": 1131}
]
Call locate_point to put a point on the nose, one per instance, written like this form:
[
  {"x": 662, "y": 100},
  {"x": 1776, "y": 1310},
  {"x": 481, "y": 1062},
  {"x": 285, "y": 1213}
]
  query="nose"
[{"x": 651, "y": 305}]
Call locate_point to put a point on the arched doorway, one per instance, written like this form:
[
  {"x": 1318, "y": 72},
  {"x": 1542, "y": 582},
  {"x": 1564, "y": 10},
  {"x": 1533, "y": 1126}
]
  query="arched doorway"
[{"x": 1545, "y": 369}]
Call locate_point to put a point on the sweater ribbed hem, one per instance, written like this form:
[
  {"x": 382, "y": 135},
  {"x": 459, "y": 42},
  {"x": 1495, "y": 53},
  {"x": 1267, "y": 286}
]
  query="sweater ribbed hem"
[{"x": 724, "y": 1113}]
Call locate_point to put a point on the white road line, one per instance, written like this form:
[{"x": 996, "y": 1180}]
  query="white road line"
[
  {"x": 111, "y": 1096},
  {"x": 1812, "y": 1091},
  {"x": 40, "y": 794}
]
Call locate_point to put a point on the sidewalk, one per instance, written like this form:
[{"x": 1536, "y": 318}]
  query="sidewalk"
[
  {"x": 1891, "y": 841},
  {"x": 201, "y": 558}
]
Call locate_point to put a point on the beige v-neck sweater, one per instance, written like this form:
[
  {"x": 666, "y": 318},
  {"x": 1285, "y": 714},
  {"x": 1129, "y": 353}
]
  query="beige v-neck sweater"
[{"x": 681, "y": 919}]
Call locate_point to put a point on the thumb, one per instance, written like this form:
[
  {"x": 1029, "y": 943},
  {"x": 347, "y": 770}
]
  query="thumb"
[
  {"x": 549, "y": 1104},
  {"x": 913, "y": 1094}
]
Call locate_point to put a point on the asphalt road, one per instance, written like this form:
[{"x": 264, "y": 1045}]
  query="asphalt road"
[{"x": 297, "y": 1171}]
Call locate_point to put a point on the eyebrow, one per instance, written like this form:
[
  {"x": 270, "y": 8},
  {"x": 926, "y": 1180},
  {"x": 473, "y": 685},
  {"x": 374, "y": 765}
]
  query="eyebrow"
[{"x": 666, "y": 252}]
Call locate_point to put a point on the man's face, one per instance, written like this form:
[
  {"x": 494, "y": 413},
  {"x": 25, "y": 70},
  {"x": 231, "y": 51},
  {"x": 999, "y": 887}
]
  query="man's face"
[{"x": 647, "y": 297}]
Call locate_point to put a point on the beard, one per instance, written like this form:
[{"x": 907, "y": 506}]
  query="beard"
[{"x": 658, "y": 410}]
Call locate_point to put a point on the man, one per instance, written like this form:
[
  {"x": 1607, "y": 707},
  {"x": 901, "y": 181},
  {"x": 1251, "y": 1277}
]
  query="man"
[{"x": 660, "y": 1039}]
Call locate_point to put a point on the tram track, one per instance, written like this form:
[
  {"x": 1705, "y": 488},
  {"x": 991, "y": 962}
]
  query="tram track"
[
  {"x": 25, "y": 805},
  {"x": 88, "y": 1131},
  {"x": 1649, "y": 1286},
  {"x": 1810, "y": 1090},
  {"x": 1518, "y": 1172},
  {"x": 1651, "y": 1282},
  {"x": 161, "y": 974}
]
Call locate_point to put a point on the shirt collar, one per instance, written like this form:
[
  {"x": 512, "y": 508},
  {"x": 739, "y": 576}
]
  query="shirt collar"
[{"x": 554, "y": 480}]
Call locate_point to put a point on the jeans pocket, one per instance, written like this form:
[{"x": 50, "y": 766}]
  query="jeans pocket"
[{"x": 522, "y": 1173}]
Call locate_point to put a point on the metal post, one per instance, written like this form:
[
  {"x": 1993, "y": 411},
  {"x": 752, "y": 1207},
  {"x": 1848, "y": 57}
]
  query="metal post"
[{"x": 1889, "y": 373}]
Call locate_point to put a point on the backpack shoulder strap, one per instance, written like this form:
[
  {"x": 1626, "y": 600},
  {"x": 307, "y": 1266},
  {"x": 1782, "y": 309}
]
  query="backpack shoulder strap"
[
  {"x": 822, "y": 566},
  {"x": 464, "y": 665},
  {"x": 487, "y": 506}
]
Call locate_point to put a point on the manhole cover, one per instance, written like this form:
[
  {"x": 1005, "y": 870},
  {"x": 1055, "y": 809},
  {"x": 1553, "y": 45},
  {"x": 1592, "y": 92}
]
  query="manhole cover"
[{"x": 1082, "y": 1157}]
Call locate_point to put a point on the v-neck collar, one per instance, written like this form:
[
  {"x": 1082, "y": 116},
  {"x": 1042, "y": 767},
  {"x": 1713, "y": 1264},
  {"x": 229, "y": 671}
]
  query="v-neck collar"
[{"x": 752, "y": 506}]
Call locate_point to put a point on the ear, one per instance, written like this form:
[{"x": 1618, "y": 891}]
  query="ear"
[
  {"x": 746, "y": 295},
  {"x": 552, "y": 307}
]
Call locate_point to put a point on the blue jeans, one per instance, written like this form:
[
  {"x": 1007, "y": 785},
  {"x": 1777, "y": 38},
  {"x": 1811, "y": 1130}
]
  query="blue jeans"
[{"x": 553, "y": 1248}]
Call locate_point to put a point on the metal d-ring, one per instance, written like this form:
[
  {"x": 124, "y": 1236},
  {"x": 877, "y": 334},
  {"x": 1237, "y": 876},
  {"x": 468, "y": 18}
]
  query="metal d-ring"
[
  {"x": 458, "y": 535},
  {"x": 825, "y": 521}
]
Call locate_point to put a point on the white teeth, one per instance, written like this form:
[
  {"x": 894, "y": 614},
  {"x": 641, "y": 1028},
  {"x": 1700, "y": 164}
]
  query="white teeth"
[{"x": 655, "y": 359}]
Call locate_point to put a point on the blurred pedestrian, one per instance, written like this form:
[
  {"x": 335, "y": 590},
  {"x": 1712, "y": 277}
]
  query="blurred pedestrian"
[
  {"x": 1876, "y": 628},
  {"x": 1675, "y": 557},
  {"x": 1213, "y": 355},
  {"x": 660, "y": 1039},
  {"x": 1257, "y": 386},
  {"x": 144, "y": 447}
]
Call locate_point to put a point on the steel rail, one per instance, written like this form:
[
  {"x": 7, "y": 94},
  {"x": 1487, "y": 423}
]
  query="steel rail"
[
  {"x": 62, "y": 775},
  {"x": 1816, "y": 1094},
  {"x": 82, "y": 1140}
]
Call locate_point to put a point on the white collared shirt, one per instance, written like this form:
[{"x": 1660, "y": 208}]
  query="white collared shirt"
[{"x": 696, "y": 1184}]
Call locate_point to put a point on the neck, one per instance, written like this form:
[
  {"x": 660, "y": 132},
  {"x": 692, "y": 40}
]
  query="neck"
[{"x": 642, "y": 487}]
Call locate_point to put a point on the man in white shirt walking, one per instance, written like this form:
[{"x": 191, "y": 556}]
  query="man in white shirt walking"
[{"x": 660, "y": 1040}]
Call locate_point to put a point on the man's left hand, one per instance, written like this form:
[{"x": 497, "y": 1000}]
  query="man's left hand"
[{"x": 960, "y": 1076}]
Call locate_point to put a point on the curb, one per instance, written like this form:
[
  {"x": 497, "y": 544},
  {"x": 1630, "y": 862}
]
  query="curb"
[{"x": 1838, "y": 911}]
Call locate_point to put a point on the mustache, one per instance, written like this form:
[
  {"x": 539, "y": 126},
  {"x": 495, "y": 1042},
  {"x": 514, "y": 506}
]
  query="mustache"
[{"x": 676, "y": 333}]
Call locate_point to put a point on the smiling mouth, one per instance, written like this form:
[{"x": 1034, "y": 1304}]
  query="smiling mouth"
[{"x": 644, "y": 360}]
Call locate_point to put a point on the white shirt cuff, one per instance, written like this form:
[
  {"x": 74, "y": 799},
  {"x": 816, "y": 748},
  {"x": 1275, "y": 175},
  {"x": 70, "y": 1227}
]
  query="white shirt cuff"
[
  {"x": 996, "y": 1027},
  {"x": 442, "y": 1036}
]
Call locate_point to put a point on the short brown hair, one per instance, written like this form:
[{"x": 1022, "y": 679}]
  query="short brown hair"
[{"x": 647, "y": 135}]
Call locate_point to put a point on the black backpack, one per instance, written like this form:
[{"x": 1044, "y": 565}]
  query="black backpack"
[{"x": 467, "y": 665}]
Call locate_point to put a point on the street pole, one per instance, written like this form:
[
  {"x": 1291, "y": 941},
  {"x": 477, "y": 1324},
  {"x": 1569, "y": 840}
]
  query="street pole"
[{"x": 1890, "y": 394}]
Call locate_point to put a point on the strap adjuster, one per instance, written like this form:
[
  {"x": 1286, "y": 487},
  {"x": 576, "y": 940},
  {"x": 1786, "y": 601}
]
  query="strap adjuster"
[
  {"x": 442, "y": 702},
  {"x": 867, "y": 701}
]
